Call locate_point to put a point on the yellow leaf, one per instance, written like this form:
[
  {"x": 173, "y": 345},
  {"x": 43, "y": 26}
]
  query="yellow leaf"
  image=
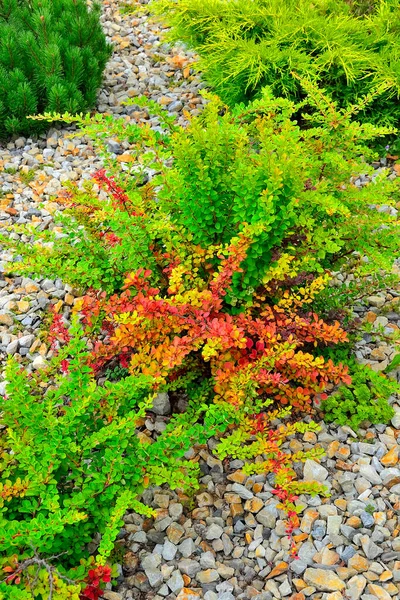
[{"x": 58, "y": 306}]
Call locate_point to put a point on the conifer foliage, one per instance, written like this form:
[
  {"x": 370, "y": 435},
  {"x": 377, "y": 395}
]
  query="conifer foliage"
[
  {"x": 347, "y": 47},
  {"x": 52, "y": 56}
]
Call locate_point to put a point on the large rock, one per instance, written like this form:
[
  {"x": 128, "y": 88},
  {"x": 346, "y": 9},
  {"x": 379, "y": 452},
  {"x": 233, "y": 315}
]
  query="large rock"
[
  {"x": 355, "y": 587},
  {"x": 175, "y": 582},
  {"x": 242, "y": 491},
  {"x": 207, "y": 576},
  {"x": 378, "y": 592},
  {"x": 268, "y": 515},
  {"x": 323, "y": 580},
  {"x": 161, "y": 404},
  {"x": 371, "y": 550},
  {"x": 189, "y": 567},
  {"x": 214, "y": 532},
  {"x": 154, "y": 576},
  {"x": 370, "y": 474},
  {"x": 313, "y": 471}
]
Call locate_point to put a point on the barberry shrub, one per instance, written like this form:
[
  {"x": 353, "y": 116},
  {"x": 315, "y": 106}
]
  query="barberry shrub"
[
  {"x": 256, "y": 366},
  {"x": 52, "y": 57},
  {"x": 74, "y": 458},
  {"x": 207, "y": 307},
  {"x": 252, "y": 166},
  {"x": 245, "y": 46},
  {"x": 365, "y": 400}
]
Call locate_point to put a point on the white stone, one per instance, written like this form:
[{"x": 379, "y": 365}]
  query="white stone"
[{"x": 313, "y": 471}]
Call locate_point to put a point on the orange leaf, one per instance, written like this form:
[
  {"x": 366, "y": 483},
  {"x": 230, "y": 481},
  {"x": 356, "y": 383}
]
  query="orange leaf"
[{"x": 179, "y": 61}]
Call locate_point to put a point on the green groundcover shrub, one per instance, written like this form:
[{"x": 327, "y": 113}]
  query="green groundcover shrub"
[
  {"x": 52, "y": 56},
  {"x": 366, "y": 399},
  {"x": 245, "y": 45},
  {"x": 73, "y": 458}
]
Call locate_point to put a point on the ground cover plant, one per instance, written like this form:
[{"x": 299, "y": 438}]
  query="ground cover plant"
[
  {"x": 52, "y": 57},
  {"x": 364, "y": 400},
  {"x": 73, "y": 460},
  {"x": 347, "y": 47},
  {"x": 212, "y": 303}
]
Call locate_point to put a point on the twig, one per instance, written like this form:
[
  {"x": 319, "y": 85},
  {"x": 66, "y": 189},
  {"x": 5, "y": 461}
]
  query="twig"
[{"x": 42, "y": 563}]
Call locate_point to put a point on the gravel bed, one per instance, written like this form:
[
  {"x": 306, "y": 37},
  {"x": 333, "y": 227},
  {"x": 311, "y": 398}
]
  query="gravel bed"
[
  {"x": 228, "y": 541},
  {"x": 32, "y": 171}
]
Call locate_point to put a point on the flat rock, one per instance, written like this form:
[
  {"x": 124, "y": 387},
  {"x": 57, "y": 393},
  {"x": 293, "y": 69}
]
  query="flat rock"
[
  {"x": 313, "y": 471},
  {"x": 323, "y": 580}
]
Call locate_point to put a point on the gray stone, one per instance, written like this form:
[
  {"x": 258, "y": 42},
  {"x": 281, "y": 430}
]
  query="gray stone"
[
  {"x": 348, "y": 532},
  {"x": 175, "y": 106},
  {"x": 390, "y": 476},
  {"x": 268, "y": 516},
  {"x": 139, "y": 537},
  {"x": 242, "y": 491},
  {"x": 369, "y": 449},
  {"x": 355, "y": 505},
  {"x": 175, "y": 582},
  {"x": 169, "y": 550},
  {"x": 163, "y": 524},
  {"x": 151, "y": 561},
  {"x": 313, "y": 471},
  {"x": 255, "y": 543},
  {"x": 371, "y": 550},
  {"x": 306, "y": 553},
  {"x": 163, "y": 591},
  {"x": 39, "y": 363},
  {"x": 114, "y": 147},
  {"x": 396, "y": 544},
  {"x": 214, "y": 532},
  {"x": 318, "y": 531},
  {"x": 207, "y": 560},
  {"x": 395, "y": 421},
  {"x": 210, "y": 595},
  {"x": 189, "y": 567},
  {"x": 334, "y": 523},
  {"x": 12, "y": 347},
  {"x": 187, "y": 547},
  {"x": 387, "y": 556},
  {"x": 207, "y": 576},
  {"x": 227, "y": 544},
  {"x": 377, "y": 301},
  {"x": 370, "y": 474},
  {"x": 154, "y": 576},
  {"x": 367, "y": 519},
  {"x": 225, "y": 572},
  {"x": 355, "y": 587},
  {"x": 26, "y": 341},
  {"x": 285, "y": 589},
  {"x": 347, "y": 553},
  {"x": 161, "y": 404},
  {"x": 175, "y": 510}
]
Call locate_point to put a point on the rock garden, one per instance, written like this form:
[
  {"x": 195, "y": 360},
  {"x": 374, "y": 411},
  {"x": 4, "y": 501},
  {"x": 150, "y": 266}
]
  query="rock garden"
[{"x": 199, "y": 300}]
